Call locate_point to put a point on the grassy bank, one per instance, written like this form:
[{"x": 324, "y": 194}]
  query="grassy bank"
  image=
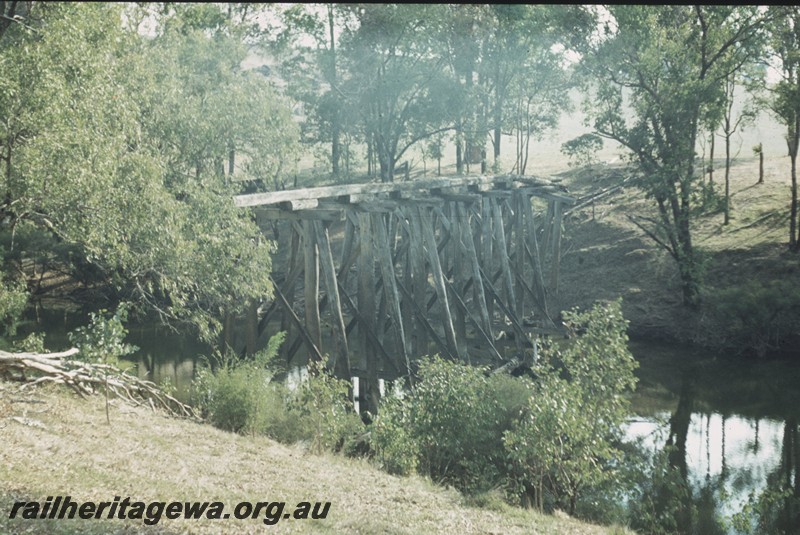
[
  {"x": 606, "y": 255},
  {"x": 54, "y": 443}
]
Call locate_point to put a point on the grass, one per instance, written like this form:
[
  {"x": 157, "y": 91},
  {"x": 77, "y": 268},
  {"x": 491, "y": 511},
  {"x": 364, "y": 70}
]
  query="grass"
[
  {"x": 55, "y": 443},
  {"x": 605, "y": 255}
]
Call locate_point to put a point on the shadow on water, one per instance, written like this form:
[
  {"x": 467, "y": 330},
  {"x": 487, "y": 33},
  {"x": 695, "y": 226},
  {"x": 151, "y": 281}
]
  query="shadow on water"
[
  {"x": 163, "y": 356},
  {"x": 735, "y": 461}
]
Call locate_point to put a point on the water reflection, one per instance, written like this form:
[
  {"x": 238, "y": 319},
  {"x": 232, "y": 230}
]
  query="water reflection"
[
  {"x": 165, "y": 357},
  {"x": 737, "y": 474}
]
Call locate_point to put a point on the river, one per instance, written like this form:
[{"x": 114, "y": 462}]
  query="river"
[{"x": 733, "y": 423}]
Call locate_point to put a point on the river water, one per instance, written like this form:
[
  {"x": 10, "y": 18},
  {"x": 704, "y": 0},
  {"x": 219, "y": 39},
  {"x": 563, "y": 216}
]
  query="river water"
[{"x": 733, "y": 423}]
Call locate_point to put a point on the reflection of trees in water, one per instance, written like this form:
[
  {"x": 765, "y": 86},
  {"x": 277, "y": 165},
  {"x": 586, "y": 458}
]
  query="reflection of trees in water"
[
  {"x": 784, "y": 482},
  {"x": 676, "y": 446},
  {"x": 776, "y": 509},
  {"x": 671, "y": 505}
]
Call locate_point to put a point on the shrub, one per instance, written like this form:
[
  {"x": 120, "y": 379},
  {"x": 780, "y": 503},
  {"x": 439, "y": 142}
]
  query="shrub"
[
  {"x": 237, "y": 396},
  {"x": 391, "y": 437},
  {"x": 13, "y": 300},
  {"x": 565, "y": 441},
  {"x": 583, "y": 149},
  {"x": 661, "y": 501},
  {"x": 103, "y": 340},
  {"x": 323, "y": 403},
  {"x": 241, "y": 396},
  {"x": 450, "y": 426}
]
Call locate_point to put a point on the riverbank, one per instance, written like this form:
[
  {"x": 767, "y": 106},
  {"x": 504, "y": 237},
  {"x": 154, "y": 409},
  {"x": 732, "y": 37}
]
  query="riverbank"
[
  {"x": 749, "y": 272},
  {"x": 57, "y": 444}
]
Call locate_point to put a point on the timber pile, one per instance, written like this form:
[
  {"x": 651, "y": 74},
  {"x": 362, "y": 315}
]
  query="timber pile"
[{"x": 87, "y": 379}]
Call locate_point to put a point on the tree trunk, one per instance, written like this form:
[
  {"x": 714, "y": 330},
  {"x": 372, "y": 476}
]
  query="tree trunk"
[
  {"x": 793, "y": 217},
  {"x": 793, "y": 140},
  {"x": 459, "y": 149},
  {"x": 728, "y": 134},
  {"x": 335, "y": 120},
  {"x": 498, "y": 112},
  {"x": 711, "y": 161},
  {"x": 370, "y": 158},
  {"x": 760, "y": 164}
]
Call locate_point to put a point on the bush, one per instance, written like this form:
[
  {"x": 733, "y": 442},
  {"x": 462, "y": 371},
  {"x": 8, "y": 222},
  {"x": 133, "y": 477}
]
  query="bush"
[
  {"x": 583, "y": 149},
  {"x": 13, "y": 300},
  {"x": 565, "y": 441},
  {"x": 323, "y": 403},
  {"x": 103, "y": 340},
  {"x": 450, "y": 426},
  {"x": 238, "y": 396},
  {"x": 241, "y": 396},
  {"x": 391, "y": 437}
]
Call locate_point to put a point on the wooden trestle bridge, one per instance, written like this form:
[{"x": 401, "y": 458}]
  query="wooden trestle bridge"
[{"x": 377, "y": 275}]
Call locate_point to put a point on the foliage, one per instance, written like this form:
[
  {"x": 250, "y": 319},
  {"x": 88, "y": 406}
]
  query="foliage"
[
  {"x": 582, "y": 149},
  {"x": 767, "y": 512},
  {"x": 13, "y": 299},
  {"x": 115, "y": 144},
  {"x": 323, "y": 402},
  {"x": 242, "y": 396},
  {"x": 450, "y": 426},
  {"x": 103, "y": 340},
  {"x": 235, "y": 396},
  {"x": 659, "y": 498},
  {"x": 390, "y": 76},
  {"x": 33, "y": 343},
  {"x": 668, "y": 66},
  {"x": 476, "y": 432},
  {"x": 390, "y": 436},
  {"x": 396, "y": 82},
  {"x": 565, "y": 441},
  {"x": 784, "y": 101}
]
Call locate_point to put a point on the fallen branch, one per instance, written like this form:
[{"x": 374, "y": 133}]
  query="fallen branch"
[{"x": 87, "y": 378}]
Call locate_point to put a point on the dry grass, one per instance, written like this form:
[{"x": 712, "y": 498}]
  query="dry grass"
[
  {"x": 606, "y": 256},
  {"x": 55, "y": 443}
]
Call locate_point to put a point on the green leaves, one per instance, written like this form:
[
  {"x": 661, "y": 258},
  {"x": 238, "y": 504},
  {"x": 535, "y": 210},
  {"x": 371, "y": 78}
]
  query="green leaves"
[
  {"x": 103, "y": 340},
  {"x": 564, "y": 442},
  {"x": 671, "y": 63},
  {"x": 120, "y": 144}
]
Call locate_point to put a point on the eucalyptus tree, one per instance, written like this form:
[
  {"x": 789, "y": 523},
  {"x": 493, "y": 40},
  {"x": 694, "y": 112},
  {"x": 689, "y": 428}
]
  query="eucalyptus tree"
[
  {"x": 306, "y": 49},
  {"x": 396, "y": 78},
  {"x": 734, "y": 121},
  {"x": 110, "y": 143},
  {"x": 670, "y": 63},
  {"x": 524, "y": 67},
  {"x": 784, "y": 42}
]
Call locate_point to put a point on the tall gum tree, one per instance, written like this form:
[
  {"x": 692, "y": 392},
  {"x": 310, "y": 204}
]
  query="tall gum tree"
[
  {"x": 672, "y": 62},
  {"x": 396, "y": 79},
  {"x": 784, "y": 42},
  {"x": 306, "y": 49}
]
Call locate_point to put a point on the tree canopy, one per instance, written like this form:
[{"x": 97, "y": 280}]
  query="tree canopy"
[
  {"x": 660, "y": 74},
  {"x": 115, "y": 143}
]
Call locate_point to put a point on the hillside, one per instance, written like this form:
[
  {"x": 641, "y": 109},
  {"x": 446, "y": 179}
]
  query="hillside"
[
  {"x": 55, "y": 443},
  {"x": 606, "y": 255}
]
